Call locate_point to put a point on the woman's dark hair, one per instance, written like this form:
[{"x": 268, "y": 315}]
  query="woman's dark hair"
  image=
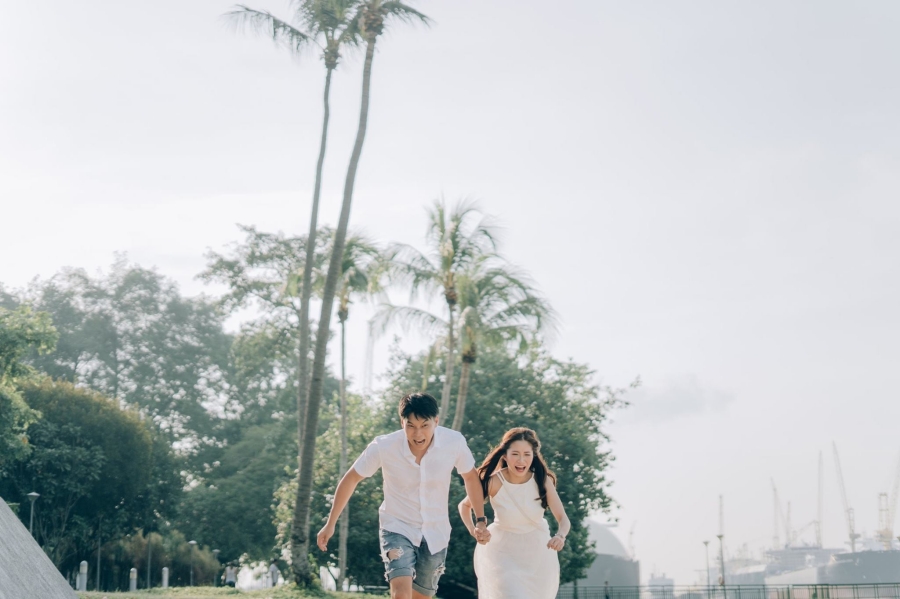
[
  {"x": 418, "y": 404},
  {"x": 496, "y": 460}
]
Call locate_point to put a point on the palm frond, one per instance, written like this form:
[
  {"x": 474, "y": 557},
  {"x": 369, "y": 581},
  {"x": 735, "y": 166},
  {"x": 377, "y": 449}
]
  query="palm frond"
[
  {"x": 408, "y": 318},
  {"x": 404, "y": 12},
  {"x": 265, "y": 23}
]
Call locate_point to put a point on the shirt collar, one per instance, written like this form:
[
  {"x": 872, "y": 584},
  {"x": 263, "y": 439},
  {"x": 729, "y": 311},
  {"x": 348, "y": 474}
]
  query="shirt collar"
[{"x": 435, "y": 442}]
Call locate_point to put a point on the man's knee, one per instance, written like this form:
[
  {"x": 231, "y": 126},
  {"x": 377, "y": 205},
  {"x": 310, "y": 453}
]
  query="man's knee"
[{"x": 401, "y": 587}]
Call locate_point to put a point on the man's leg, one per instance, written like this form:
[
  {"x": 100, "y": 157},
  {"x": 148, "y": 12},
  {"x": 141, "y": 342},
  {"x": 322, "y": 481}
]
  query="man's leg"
[
  {"x": 429, "y": 569},
  {"x": 399, "y": 558},
  {"x": 401, "y": 588}
]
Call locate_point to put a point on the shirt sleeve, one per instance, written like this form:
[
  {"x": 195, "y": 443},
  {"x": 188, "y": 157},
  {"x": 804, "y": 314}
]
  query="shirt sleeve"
[
  {"x": 369, "y": 461},
  {"x": 464, "y": 460}
]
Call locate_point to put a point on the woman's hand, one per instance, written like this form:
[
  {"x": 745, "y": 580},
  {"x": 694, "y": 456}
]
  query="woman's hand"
[{"x": 556, "y": 543}]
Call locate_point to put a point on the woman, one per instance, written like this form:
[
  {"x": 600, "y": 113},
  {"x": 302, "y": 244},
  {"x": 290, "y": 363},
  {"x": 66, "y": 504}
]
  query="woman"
[{"x": 520, "y": 561}]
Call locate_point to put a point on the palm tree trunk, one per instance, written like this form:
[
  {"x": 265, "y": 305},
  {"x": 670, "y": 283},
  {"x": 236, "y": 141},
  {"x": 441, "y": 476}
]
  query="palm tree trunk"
[
  {"x": 463, "y": 391},
  {"x": 448, "y": 375},
  {"x": 344, "y": 523},
  {"x": 300, "y": 534},
  {"x": 306, "y": 290},
  {"x": 305, "y": 296}
]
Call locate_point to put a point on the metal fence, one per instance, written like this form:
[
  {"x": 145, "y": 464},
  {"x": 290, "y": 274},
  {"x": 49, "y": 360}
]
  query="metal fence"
[{"x": 817, "y": 591}]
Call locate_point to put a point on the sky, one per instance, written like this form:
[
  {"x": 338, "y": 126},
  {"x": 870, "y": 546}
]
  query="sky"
[{"x": 707, "y": 193}]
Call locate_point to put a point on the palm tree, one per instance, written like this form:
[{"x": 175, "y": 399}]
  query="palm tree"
[
  {"x": 330, "y": 25},
  {"x": 362, "y": 271},
  {"x": 456, "y": 239},
  {"x": 500, "y": 306},
  {"x": 371, "y": 18}
]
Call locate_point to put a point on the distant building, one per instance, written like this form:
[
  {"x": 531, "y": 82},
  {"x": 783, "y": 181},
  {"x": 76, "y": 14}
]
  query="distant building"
[{"x": 612, "y": 565}]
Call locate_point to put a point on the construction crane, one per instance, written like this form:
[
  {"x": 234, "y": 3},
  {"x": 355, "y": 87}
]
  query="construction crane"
[
  {"x": 887, "y": 510},
  {"x": 779, "y": 517},
  {"x": 848, "y": 511}
]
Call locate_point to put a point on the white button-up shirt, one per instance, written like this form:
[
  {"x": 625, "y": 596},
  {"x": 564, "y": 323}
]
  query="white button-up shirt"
[{"x": 416, "y": 495}]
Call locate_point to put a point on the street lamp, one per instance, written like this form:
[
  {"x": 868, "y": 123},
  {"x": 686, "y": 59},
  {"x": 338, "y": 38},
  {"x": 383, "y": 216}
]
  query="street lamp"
[
  {"x": 32, "y": 496},
  {"x": 722, "y": 560},
  {"x": 192, "y": 544},
  {"x": 706, "y": 546},
  {"x": 218, "y": 565}
]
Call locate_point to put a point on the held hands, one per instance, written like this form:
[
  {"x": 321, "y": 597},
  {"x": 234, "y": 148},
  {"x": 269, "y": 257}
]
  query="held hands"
[
  {"x": 324, "y": 535},
  {"x": 481, "y": 533},
  {"x": 556, "y": 543}
]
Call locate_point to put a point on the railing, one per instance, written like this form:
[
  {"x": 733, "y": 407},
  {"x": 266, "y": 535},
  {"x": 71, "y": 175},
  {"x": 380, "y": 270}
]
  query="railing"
[{"x": 797, "y": 591}]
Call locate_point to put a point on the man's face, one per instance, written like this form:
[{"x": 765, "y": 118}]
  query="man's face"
[{"x": 419, "y": 431}]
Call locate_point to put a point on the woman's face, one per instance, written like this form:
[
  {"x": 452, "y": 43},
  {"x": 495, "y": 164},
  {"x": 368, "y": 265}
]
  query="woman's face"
[{"x": 519, "y": 457}]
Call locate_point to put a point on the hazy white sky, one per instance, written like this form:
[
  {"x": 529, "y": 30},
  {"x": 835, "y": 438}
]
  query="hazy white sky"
[{"x": 707, "y": 192}]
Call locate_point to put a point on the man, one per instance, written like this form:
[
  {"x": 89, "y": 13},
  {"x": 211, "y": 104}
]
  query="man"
[
  {"x": 416, "y": 462},
  {"x": 274, "y": 573}
]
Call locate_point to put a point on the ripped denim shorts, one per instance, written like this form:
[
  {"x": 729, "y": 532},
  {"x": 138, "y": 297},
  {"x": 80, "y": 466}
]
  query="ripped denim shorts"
[{"x": 401, "y": 558}]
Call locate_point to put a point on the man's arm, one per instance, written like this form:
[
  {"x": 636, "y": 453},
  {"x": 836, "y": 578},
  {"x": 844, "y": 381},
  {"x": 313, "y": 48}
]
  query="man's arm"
[
  {"x": 476, "y": 502},
  {"x": 342, "y": 495}
]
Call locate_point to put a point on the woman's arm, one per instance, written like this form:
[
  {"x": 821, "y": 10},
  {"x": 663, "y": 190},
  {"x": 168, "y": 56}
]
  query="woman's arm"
[{"x": 559, "y": 512}]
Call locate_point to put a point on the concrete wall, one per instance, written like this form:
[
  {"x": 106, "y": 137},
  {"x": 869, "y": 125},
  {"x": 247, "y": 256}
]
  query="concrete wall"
[{"x": 25, "y": 570}]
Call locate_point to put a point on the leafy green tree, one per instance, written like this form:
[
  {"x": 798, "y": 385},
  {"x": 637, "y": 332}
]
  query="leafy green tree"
[
  {"x": 132, "y": 336},
  {"x": 372, "y": 17},
  {"x": 92, "y": 462},
  {"x": 231, "y": 509},
  {"x": 332, "y": 25},
  {"x": 559, "y": 400},
  {"x": 21, "y": 331},
  {"x": 500, "y": 307},
  {"x": 456, "y": 238}
]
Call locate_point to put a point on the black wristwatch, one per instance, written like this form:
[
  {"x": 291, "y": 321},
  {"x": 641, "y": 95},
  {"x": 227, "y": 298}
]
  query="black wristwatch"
[{"x": 480, "y": 519}]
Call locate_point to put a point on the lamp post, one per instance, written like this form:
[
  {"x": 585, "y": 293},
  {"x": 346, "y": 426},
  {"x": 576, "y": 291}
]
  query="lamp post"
[
  {"x": 722, "y": 560},
  {"x": 706, "y": 546},
  {"x": 192, "y": 544},
  {"x": 32, "y": 496},
  {"x": 218, "y": 566}
]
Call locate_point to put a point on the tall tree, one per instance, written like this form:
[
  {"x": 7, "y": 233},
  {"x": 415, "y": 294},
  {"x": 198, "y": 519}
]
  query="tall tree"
[
  {"x": 372, "y": 17},
  {"x": 131, "y": 335},
  {"x": 456, "y": 238},
  {"x": 362, "y": 271},
  {"x": 90, "y": 460},
  {"x": 332, "y": 25},
  {"x": 21, "y": 331},
  {"x": 500, "y": 306}
]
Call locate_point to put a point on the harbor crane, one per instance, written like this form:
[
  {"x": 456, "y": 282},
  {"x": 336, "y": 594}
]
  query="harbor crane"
[
  {"x": 781, "y": 520},
  {"x": 848, "y": 511}
]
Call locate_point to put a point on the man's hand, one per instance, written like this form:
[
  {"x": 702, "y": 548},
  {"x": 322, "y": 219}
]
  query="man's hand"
[{"x": 324, "y": 535}]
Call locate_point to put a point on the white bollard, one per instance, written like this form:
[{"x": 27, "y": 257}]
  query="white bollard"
[
  {"x": 165, "y": 580},
  {"x": 81, "y": 579},
  {"x": 132, "y": 582}
]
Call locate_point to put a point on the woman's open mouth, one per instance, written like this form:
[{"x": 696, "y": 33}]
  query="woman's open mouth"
[{"x": 520, "y": 469}]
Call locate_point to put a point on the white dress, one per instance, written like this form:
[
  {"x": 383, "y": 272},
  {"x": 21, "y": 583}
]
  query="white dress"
[{"x": 516, "y": 563}]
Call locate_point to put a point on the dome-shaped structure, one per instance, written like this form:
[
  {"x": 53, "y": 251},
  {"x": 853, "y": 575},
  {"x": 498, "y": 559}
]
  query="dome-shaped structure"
[
  {"x": 607, "y": 542},
  {"x": 613, "y": 564}
]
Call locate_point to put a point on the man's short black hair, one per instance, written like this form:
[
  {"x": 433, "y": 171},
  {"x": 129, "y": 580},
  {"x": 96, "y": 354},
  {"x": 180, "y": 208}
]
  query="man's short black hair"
[{"x": 418, "y": 404}]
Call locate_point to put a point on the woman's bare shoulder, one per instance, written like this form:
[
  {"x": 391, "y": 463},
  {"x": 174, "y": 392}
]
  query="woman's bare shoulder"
[{"x": 495, "y": 483}]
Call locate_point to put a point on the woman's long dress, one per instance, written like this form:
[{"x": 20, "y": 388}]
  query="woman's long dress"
[{"x": 516, "y": 563}]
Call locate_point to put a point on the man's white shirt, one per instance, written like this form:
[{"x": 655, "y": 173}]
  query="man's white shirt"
[{"x": 416, "y": 495}]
